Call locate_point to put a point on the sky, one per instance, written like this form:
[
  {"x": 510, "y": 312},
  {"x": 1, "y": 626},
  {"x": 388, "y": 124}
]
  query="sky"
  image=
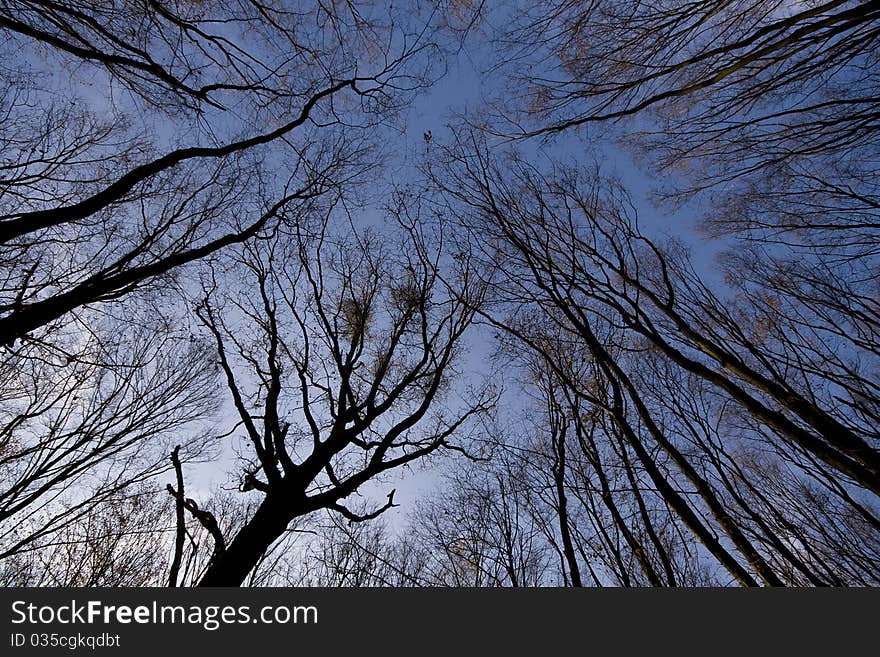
[{"x": 468, "y": 80}]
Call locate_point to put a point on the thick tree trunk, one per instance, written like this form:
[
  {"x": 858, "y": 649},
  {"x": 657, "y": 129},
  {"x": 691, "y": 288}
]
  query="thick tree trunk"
[{"x": 244, "y": 552}]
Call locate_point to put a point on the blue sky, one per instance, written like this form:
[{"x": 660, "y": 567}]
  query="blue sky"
[{"x": 469, "y": 79}]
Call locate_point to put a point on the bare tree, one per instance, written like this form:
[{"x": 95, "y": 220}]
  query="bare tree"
[
  {"x": 92, "y": 208},
  {"x": 116, "y": 543},
  {"x": 188, "y": 196},
  {"x": 582, "y": 483},
  {"x": 138, "y": 140},
  {"x": 571, "y": 248},
  {"x": 766, "y": 110},
  {"x": 351, "y": 554},
  {"x": 85, "y": 418},
  {"x": 337, "y": 361},
  {"x": 479, "y": 532}
]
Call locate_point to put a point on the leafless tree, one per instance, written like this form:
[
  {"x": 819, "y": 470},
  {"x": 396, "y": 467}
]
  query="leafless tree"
[
  {"x": 85, "y": 418},
  {"x": 477, "y": 530},
  {"x": 138, "y": 139},
  {"x": 337, "y": 360},
  {"x": 582, "y": 484},
  {"x": 571, "y": 248},
  {"x": 367, "y": 554},
  {"x": 92, "y": 208},
  {"x": 188, "y": 198},
  {"x": 766, "y": 110},
  {"x": 116, "y": 543}
]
